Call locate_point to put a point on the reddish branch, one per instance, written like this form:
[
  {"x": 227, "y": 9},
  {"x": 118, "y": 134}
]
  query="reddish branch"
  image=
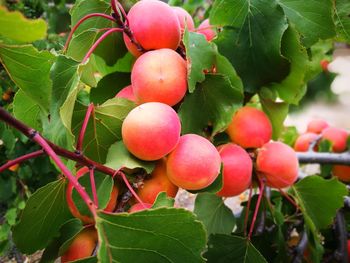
[
  {"x": 93, "y": 185},
  {"x": 90, "y": 110},
  {"x": 21, "y": 159},
  {"x": 257, "y": 206}
]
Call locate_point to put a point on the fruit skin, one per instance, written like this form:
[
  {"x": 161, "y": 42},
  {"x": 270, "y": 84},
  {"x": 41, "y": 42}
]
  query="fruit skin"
[
  {"x": 194, "y": 164},
  {"x": 159, "y": 182},
  {"x": 302, "y": 143},
  {"x": 337, "y": 136},
  {"x": 159, "y": 76},
  {"x": 14, "y": 167},
  {"x": 151, "y": 131},
  {"x": 278, "y": 164},
  {"x": 317, "y": 126},
  {"x": 139, "y": 207},
  {"x": 250, "y": 128},
  {"x": 205, "y": 29},
  {"x": 237, "y": 170},
  {"x": 126, "y": 93},
  {"x": 342, "y": 172},
  {"x": 82, "y": 246},
  {"x": 184, "y": 18},
  {"x": 154, "y": 25}
]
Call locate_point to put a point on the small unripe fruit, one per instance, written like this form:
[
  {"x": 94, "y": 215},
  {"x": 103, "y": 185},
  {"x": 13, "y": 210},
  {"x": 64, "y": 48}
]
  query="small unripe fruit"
[
  {"x": 207, "y": 30},
  {"x": 250, "y": 128},
  {"x": 14, "y": 167},
  {"x": 82, "y": 246},
  {"x": 278, "y": 164},
  {"x": 342, "y": 172},
  {"x": 151, "y": 131},
  {"x": 337, "y": 136},
  {"x": 237, "y": 170},
  {"x": 302, "y": 144},
  {"x": 185, "y": 19},
  {"x": 154, "y": 25},
  {"x": 194, "y": 164},
  {"x": 160, "y": 76},
  {"x": 317, "y": 126},
  {"x": 159, "y": 182},
  {"x": 126, "y": 93},
  {"x": 139, "y": 207}
]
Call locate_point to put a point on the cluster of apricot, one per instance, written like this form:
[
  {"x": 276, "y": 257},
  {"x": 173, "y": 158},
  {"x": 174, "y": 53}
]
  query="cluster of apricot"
[{"x": 319, "y": 130}]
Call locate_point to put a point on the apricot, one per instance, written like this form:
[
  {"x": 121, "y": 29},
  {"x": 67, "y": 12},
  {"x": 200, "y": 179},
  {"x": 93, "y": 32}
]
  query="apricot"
[
  {"x": 250, "y": 128},
  {"x": 126, "y": 93},
  {"x": 337, "y": 136},
  {"x": 303, "y": 142},
  {"x": 82, "y": 246},
  {"x": 160, "y": 76},
  {"x": 139, "y": 207},
  {"x": 151, "y": 131},
  {"x": 154, "y": 25},
  {"x": 14, "y": 167},
  {"x": 342, "y": 172},
  {"x": 207, "y": 30},
  {"x": 185, "y": 19},
  {"x": 194, "y": 164},
  {"x": 317, "y": 126},
  {"x": 159, "y": 182},
  {"x": 237, "y": 170},
  {"x": 278, "y": 164}
]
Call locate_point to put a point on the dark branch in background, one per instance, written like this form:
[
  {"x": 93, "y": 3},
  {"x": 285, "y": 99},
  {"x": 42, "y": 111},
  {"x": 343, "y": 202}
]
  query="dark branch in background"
[
  {"x": 21, "y": 159},
  {"x": 300, "y": 248},
  {"x": 324, "y": 158},
  {"x": 123, "y": 201},
  {"x": 340, "y": 231}
]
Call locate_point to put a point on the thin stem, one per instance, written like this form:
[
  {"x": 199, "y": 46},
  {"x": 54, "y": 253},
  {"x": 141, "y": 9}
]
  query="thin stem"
[
  {"x": 98, "y": 41},
  {"x": 299, "y": 250},
  {"x": 261, "y": 192},
  {"x": 80, "y": 22},
  {"x": 123, "y": 12},
  {"x": 83, "y": 127},
  {"x": 93, "y": 185},
  {"x": 21, "y": 159},
  {"x": 114, "y": 8},
  {"x": 289, "y": 199},
  {"x": 247, "y": 209}
]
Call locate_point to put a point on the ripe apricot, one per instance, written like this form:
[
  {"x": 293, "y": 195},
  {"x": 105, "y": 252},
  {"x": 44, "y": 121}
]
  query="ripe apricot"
[
  {"x": 278, "y": 164},
  {"x": 151, "y": 131},
  {"x": 161, "y": 76},
  {"x": 139, "y": 207},
  {"x": 194, "y": 164},
  {"x": 154, "y": 25},
  {"x": 303, "y": 142},
  {"x": 82, "y": 246},
  {"x": 250, "y": 128},
  {"x": 237, "y": 170},
  {"x": 126, "y": 93},
  {"x": 185, "y": 19},
  {"x": 317, "y": 126},
  {"x": 337, "y": 136},
  {"x": 159, "y": 182},
  {"x": 342, "y": 172},
  {"x": 207, "y": 30}
]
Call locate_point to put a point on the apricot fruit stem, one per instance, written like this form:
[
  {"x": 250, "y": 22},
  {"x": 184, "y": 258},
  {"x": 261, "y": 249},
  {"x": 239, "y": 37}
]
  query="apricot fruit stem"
[
  {"x": 89, "y": 111},
  {"x": 289, "y": 199},
  {"x": 93, "y": 185},
  {"x": 116, "y": 7},
  {"x": 20, "y": 159},
  {"x": 248, "y": 208},
  {"x": 256, "y": 210}
]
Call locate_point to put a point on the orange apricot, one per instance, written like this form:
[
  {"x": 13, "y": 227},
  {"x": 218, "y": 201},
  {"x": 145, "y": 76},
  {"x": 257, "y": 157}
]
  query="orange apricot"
[
  {"x": 207, "y": 30},
  {"x": 126, "y": 93},
  {"x": 342, "y": 172},
  {"x": 185, "y": 19},
  {"x": 139, "y": 207},
  {"x": 303, "y": 142},
  {"x": 338, "y": 138},
  {"x": 317, "y": 126}
]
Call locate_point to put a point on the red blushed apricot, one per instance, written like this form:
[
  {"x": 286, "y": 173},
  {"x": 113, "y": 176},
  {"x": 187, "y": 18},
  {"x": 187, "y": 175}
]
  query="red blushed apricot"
[
  {"x": 139, "y": 207},
  {"x": 237, "y": 170},
  {"x": 185, "y": 19},
  {"x": 154, "y": 25},
  {"x": 126, "y": 93},
  {"x": 194, "y": 164},
  {"x": 250, "y": 128},
  {"x": 317, "y": 126},
  {"x": 159, "y": 182},
  {"x": 161, "y": 76},
  {"x": 342, "y": 172},
  {"x": 303, "y": 142},
  {"x": 278, "y": 164},
  {"x": 113, "y": 200},
  {"x": 151, "y": 131},
  {"x": 82, "y": 246},
  {"x": 207, "y": 30},
  {"x": 337, "y": 136}
]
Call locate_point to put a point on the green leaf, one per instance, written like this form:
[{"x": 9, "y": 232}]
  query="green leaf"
[
  {"x": 104, "y": 128},
  {"x": 245, "y": 45},
  {"x": 215, "y": 215},
  {"x": 45, "y": 212},
  {"x": 154, "y": 235},
  {"x": 289, "y": 135},
  {"x": 342, "y": 20},
  {"x": 118, "y": 156},
  {"x": 312, "y": 190},
  {"x": 228, "y": 13},
  {"x": 312, "y": 18},
  {"x": 163, "y": 200},
  {"x": 30, "y": 70},
  {"x": 211, "y": 105},
  {"x": 14, "y": 26},
  {"x": 232, "y": 249}
]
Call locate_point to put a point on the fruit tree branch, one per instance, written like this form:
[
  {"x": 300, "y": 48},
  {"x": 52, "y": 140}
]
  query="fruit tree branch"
[{"x": 324, "y": 158}]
